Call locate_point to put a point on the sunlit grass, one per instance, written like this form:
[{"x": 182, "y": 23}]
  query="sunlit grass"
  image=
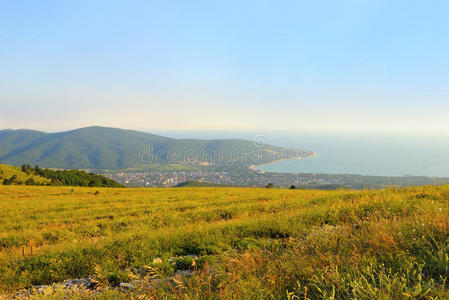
[{"x": 251, "y": 243}]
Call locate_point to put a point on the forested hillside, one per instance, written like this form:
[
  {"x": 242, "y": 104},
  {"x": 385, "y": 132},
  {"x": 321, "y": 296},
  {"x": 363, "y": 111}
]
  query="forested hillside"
[{"x": 111, "y": 148}]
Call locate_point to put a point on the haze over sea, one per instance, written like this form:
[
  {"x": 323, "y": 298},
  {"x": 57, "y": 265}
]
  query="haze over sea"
[{"x": 381, "y": 155}]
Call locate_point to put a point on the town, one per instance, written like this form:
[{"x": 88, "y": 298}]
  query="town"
[
  {"x": 254, "y": 178},
  {"x": 251, "y": 179}
]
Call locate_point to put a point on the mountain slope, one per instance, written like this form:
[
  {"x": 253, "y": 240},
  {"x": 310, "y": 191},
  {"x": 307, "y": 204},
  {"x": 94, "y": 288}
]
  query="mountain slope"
[{"x": 112, "y": 148}]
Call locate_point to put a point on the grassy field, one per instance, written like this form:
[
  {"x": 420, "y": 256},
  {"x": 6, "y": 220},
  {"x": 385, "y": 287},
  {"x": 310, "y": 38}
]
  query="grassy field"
[{"x": 240, "y": 243}]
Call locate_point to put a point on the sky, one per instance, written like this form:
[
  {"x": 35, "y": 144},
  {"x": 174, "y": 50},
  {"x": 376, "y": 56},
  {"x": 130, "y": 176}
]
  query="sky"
[{"x": 324, "y": 66}]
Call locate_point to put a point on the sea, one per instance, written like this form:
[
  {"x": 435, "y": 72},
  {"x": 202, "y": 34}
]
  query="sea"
[{"x": 364, "y": 154}]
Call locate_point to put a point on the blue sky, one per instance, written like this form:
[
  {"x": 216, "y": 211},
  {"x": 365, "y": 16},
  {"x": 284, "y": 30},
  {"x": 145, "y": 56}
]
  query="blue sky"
[{"x": 355, "y": 65}]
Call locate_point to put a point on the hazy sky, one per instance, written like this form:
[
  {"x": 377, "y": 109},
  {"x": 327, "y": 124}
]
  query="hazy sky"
[{"x": 354, "y": 65}]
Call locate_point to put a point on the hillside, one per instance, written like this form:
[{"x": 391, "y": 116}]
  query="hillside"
[
  {"x": 111, "y": 148},
  {"x": 199, "y": 184},
  {"x": 27, "y": 175},
  {"x": 226, "y": 243},
  {"x": 7, "y": 172}
]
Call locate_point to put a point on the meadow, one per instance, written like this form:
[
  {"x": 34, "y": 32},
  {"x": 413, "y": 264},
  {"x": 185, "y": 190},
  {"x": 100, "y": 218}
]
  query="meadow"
[{"x": 238, "y": 243}]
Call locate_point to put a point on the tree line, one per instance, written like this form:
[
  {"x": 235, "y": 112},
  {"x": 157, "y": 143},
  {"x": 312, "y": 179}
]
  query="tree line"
[{"x": 61, "y": 178}]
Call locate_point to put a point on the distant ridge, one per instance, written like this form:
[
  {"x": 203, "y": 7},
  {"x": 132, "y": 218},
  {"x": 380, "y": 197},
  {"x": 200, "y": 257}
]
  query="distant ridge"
[{"x": 118, "y": 149}]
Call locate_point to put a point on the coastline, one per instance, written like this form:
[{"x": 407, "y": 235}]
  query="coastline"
[{"x": 253, "y": 167}]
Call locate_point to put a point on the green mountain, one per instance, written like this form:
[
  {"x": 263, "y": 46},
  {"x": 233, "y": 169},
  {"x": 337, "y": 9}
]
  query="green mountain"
[{"x": 114, "y": 149}]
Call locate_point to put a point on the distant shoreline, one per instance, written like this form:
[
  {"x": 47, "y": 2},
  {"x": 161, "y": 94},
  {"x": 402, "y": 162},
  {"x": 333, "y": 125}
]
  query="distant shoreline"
[{"x": 253, "y": 167}]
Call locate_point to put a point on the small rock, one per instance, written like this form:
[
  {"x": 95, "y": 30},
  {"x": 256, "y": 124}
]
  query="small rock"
[
  {"x": 126, "y": 285},
  {"x": 157, "y": 260},
  {"x": 184, "y": 272}
]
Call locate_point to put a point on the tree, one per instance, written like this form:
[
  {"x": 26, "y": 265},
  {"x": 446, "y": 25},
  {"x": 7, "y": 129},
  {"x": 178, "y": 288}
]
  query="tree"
[
  {"x": 37, "y": 170},
  {"x": 269, "y": 186},
  {"x": 30, "y": 181},
  {"x": 26, "y": 168},
  {"x": 11, "y": 181},
  {"x": 293, "y": 187}
]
